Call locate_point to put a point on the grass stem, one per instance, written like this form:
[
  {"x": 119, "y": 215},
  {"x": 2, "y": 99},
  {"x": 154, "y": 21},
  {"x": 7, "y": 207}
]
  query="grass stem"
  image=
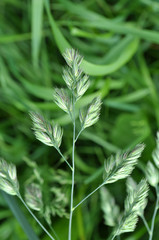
[
  {"x": 78, "y": 134},
  {"x": 88, "y": 196},
  {"x": 64, "y": 158},
  {"x": 35, "y": 217},
  {"x": 154, "y": 216},
  {"x": 146, "y": 224},
  {"x": 113, "y": 237},
  {"x": 73, "y": 171}
]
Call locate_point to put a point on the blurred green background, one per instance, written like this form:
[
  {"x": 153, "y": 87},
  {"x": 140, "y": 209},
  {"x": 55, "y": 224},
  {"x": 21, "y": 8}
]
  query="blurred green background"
[{"x": 120, "y": 43}]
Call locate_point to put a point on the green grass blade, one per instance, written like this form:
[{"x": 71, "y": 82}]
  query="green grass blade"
[
  {"x": 15, "y": 38},
  {"x": 59, "y": 38},
  {"x": 150, "y": 84},
  {"x": 96, "y": 20},
  {"x": 39, "y": 91},
  {"x": 37, "y": 19},
  {"x": 11, "y": 201},
  {"x": 90, "y": 68},
  {"x": 108, "y": 146},
  {"x": 132, "y": 97},
  {"x": 124, "y": 57}
]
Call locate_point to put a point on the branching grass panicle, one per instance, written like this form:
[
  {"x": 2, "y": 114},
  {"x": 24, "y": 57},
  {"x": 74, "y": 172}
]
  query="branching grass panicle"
[{"x": 118, "y": 166}]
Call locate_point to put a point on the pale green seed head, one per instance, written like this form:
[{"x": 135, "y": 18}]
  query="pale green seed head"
[
  {"x": 33, "y": 196},
  {"x": 152, "y": 174},
  {"x": 8, "y": 178},
  {"x": 73, "y": 58},
  {"x": 155, "y": 154},
  {"x": 45, "y": 132},
  {"x": 90, "y": 116}
]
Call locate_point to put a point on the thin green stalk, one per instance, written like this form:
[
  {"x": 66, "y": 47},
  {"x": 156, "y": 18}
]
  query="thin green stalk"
[
  {"x": 146, "y": 224},
  {"x": 12, "y": 203},
  {"x": 64, "y": 158},
  {"x": 35, "y": 217},
  {"x": 89, "y": 195},
  {"x": 113, "y": 237},
  {"x": 73, "y": 171},
  {"x": 54, "y": 233},
  {"x": 154, "y": 216},
  {"x": 78, "y": 134}
]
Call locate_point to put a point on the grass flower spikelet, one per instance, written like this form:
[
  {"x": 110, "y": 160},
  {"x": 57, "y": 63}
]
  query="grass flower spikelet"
[
  {"x": 90, "y": 116},
  {"x": 8, "y": 178},
  {"x": 121, "y": 165},
  {"x": 49, "y": 134},
  {"x": 135, "y": 201},
  {"x": 152, "y": 174},
  {"x": 33, "y": 196},
  {"x": 62, "y": 99}
]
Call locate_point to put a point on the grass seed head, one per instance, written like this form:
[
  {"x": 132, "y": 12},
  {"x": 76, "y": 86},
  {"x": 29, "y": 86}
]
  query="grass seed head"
[{"x": 8, "y": 178}]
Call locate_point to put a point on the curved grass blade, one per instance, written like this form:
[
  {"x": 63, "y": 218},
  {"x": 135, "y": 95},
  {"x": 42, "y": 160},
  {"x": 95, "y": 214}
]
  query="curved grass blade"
[
  {"x": 90, "y": 68},
  {"x": 100, "y": 22}
]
